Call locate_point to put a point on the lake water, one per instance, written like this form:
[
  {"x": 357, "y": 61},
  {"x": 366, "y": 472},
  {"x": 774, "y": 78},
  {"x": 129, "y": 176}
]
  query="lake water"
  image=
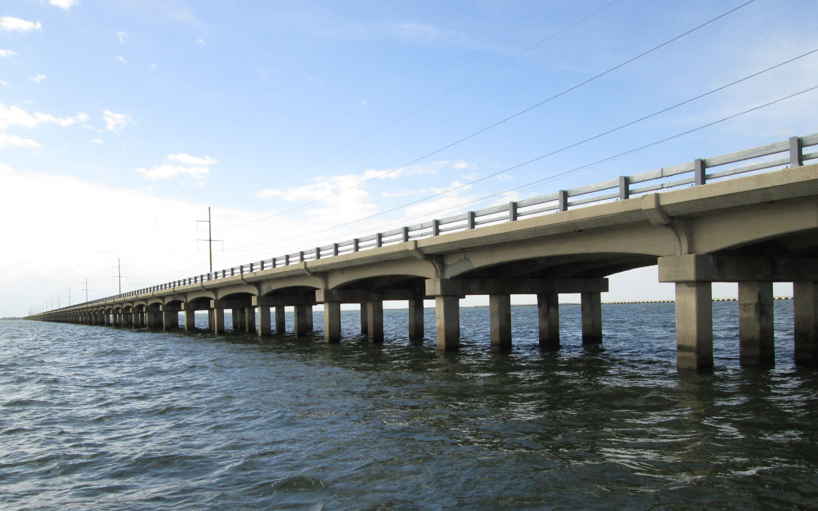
[{"x": 103, "y": 419}]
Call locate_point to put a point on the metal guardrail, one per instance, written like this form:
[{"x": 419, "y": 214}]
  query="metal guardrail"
[{"x": 698, "y": 172}]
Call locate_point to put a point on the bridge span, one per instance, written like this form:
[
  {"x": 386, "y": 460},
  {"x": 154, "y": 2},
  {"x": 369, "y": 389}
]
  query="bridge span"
[{"x": 749, "y": 217}]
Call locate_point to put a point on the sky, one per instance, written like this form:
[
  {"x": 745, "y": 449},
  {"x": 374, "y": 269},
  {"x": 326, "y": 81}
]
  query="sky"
[{"x": 300, "y": 123}]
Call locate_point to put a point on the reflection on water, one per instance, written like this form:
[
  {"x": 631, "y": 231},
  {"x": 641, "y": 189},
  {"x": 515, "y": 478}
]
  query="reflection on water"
[{"x": 96, "y": 418}]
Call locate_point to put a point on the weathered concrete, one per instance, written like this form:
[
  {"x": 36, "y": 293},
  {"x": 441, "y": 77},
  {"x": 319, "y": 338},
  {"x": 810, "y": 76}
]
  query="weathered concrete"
[
  {"x": 374, "y": 320},
  {"x": 757, "y": 347},
  {"x": 249, "y": 319},
  {"x": 364, "y": 320},
  {"x": 416, "y": 312},
  {"x": 806, "y": 323},
  {"x": 591, "y": 318},
  {"x": 281, "y": 320},
  {"x": 500, "y": 321},
  {"x": 264, "y": 321},
  {"x": 217, "y": 315},
  {"x": 332, "y": 322},
  {"x": 303, "y": 320},
  {"x": 694, "y": 326},
  {"x": 447, "y": 322},
  {"x": 548, "y": 312}
]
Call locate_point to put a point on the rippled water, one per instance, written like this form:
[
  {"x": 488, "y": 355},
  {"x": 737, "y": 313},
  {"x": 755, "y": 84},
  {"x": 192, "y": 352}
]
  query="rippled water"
[{"x": 97, "y": 418}]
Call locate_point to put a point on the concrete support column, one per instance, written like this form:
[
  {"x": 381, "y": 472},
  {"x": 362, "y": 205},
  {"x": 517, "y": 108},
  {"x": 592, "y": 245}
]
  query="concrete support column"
[
  {"x": 694, "y": 326},
  {"x": 211, "y": 320},
  {"x": 548, "y": 313},
  {"x": 591, "y": 318},
  {"x": 332, "y": 322},
  {"x": 500, "y": 321},
  {"x": 237, "y": 316},
  {"x": 416, "y": 319},
  {"x": 757, "y": 346},
  {"x": 170, "y": 318},
  {"x": 263, "y": 320},
  {"x": 374, "y": 320},
  {"x": 303, "y": 320},
  {"x": 154, "y": 319},
  {"x": 217, "y": 318},
  {"x": 281, "y": 323},
  {"x": 364, "y": 321},
  {"x": 190, "y": 319},
  {"x": 250, "y": 319},
  {"x": 806, "y": 323},
  {"x": 447, "y": 322}
]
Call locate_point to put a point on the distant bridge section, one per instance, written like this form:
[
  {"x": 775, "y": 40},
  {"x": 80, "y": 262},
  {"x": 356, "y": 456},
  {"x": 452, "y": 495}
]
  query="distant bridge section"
[{"x": 749, "y": 217}]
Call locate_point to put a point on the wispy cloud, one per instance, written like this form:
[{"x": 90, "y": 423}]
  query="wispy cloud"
[
  {"x": 97, "y": 141},
  {"x": 63, "y": 4},
  {"x": 12, "y": 141},
  {"x": 7, "y": 53},
  {"x": 115, "y": 122},
  {"x": 38, "y": 78},
  {"x": 180, "y": 164},
  {"x": 201, "y": 42},
  {"x": 122, "y": 37},
  {"x": 16, "y": 116},
  {"x": 12, "y": 24},
  {"x": 121, "y": 59},
  {"x": 4, "y": 83}
]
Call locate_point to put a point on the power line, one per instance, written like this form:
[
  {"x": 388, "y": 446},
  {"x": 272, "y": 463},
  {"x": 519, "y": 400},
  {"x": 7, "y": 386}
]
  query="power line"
[
  {"x": 564, "y": 92},
  {"x": 580, "y": 142}
]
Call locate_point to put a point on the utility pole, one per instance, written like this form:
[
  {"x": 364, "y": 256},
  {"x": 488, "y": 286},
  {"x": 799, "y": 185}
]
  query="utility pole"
[
  {"x": 119, "y": 275},
  {"x": 209, "y": 239},
  {"x": 86, "y": 290},
  {"x": 69, "y": 296}
]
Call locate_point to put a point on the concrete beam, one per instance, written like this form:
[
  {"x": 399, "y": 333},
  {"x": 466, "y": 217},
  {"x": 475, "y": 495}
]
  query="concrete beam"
[
  {"x": 512, "y": 286},
  {"x": 728, "y": 268}
]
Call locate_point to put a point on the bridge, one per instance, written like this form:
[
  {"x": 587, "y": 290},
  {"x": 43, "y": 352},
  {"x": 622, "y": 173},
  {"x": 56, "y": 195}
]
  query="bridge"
[{"x": 749, "y": 217}]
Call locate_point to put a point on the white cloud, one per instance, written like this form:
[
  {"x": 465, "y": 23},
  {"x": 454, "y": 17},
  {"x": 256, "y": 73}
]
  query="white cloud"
[
  {"x": 121, "y": 59},
  {"x": 38, "y": 78},
  {"x": 114, "y": 121},
  {"x": 122, "y": 37},
  {"x": 12, "y": 24},
  {"x": 97, "y": 141},
  {"x": 187, "y": 159},
  {"x": 7, "y": 53},
  {"x": 181, "y": 164},
  {"x": 16, "y": 116},
  {"x": 4, "y": 83},
  {"x": 168, "y": 171},
  {"x": 201, "y": 42},
  {"x": 63, "y": 4},
  {"x": 7, "y": 141}
]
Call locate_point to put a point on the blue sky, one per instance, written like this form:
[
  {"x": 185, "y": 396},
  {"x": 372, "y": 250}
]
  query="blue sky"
[{"x": 121, "y": 120}]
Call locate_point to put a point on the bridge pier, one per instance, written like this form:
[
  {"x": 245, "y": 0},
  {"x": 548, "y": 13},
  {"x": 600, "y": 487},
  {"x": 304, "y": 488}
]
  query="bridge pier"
[
  {"x": 217, "y": 317},
  {"x": 548, "y": 313},
  {"x": 250, "y": 319},
  {"x": 364, "y": 320},
  {"x": 332, "y": 322},
  {"x": 806, "y": 323},
  {"x": 374, "y": 320},
  {"x": 190, "y": 317},
  {"x": 416, "y": 311},
  {"x": 303, "y": 320},
  {"x": 170, "y": 317},
  {"x": 500, "y": 321},
  {"x": 694, "y": 326},
  {"x": 591, "y": 318},
  {"x": 281, "y": 320},
  {"x": 237, "y": 318},
  {"x": 447, "y": 322},
  {"x": 757, "y": 345},
  {"x": 263, "y": 329}
]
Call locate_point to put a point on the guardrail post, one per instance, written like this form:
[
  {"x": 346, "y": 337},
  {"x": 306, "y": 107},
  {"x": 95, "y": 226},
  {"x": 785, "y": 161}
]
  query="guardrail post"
[
  {"x": 261, "y": 265},
  {"x": 287, "y": 260},
  {"x": 624, "y": 187},
  {"x": 405, "y": 234},
  {"x": 300, "y": 256},
  {"x": 317, "y": 253},
  {"x": 274, "y": 262},
  {"x": 435, "y": 227},
  {"x": 470, "y": 222},
  {"x": 512, "y": 211},
  {"x": 379, "y": 240},
  {"x": 562, "y": 199},
  {"x": 796, "y": 154},
  {"x": 232, "y": 271},
  {"x": 698, "y": 172},
  {"x": 334, "y": 249},
  {"x": 355, "y": 245}
]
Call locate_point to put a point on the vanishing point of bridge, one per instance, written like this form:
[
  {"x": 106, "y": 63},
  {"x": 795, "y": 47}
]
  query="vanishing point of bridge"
[{"x": 749, "y": 217}]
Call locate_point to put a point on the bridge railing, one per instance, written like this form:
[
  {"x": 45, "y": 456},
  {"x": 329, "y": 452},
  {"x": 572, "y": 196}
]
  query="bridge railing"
[{"x": 767, "y": 158}]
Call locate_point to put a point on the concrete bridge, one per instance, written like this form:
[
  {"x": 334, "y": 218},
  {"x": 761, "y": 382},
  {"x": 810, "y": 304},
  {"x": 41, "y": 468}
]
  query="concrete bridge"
[{"x": 749, "y": 217}]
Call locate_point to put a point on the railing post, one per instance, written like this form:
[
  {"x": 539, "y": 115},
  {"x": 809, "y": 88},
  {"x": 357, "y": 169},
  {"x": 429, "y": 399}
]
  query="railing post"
[
  {"x": 512, "y": 211},
  {"x": 624, "y": 187},
  {"x": 317, "y": 253},
  {"x": 562, "y": 199},
  {"x": 261, "y": 265},
  {"x": 274, "y": 262},
  {"x": 300, "y": 256},
  {"x": 405, "y": 234},
  {"x": 435, "y": 227},
  {"x": 251, "y": 267},
  {"x": 698, "y": 172},
  {"x": 796, "y": 154},
  {"x": 470, "y": 220},
  {"x": 379, "y": 240},
  {"x": 287, "y": 260},
  {"x": 334, "y": 249},
  {"x": 355, "y": 245}
]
